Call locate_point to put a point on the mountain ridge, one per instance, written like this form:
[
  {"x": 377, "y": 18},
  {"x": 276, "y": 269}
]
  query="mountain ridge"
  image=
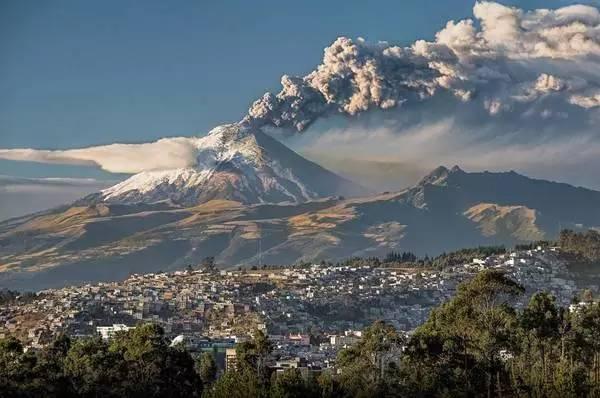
[{"x": 446, "y": 210}]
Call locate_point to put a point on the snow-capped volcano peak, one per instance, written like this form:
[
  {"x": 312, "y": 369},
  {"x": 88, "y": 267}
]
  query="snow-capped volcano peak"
[
  {"x": 227, "y": 142},
  {"x": 234, "y": 162}
]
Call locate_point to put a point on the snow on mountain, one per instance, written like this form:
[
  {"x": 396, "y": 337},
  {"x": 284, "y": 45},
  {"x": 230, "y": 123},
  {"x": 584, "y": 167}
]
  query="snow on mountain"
[{"x": 234, "y": 162}]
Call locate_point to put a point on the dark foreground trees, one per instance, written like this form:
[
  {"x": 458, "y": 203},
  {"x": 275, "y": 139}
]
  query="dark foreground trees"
[
  {"x": 475, "y": 345},
  {"x": 139, "y": 363},
  {"x": 478, "y": 345}
]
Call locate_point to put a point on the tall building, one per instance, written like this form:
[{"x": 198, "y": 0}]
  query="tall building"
[{"x": 230, "y": 359}]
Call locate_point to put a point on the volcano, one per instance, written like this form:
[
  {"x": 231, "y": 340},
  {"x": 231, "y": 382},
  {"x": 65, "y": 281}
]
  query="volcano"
[{"x": 233, "y": 162}]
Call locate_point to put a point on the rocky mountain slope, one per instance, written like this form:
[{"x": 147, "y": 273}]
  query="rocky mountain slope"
[{"x": 447, "y": 209}]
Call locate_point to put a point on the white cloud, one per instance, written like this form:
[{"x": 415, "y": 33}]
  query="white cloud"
[
  {"x": 14, "y": 183},
  {"x": 588, "y": 101},
  {"x": 166, "y": 153}
]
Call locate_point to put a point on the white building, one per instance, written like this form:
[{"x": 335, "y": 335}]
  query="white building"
[
  {"x": 343, "y": 341},
  {"x": 108, "y": 332}
]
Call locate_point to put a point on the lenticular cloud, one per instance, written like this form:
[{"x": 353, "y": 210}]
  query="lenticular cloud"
[
  {"x": 166, "y": 153},
  {"x": 513, "y": 58}
]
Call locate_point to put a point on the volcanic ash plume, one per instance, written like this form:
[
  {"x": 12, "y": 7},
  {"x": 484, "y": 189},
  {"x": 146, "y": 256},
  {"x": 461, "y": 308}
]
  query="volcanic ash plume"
[{"x": 504, "y": 63}]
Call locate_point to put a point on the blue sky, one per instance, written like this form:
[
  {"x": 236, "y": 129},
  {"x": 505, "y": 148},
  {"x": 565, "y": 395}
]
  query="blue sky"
[{"x": 75, "y": 73}]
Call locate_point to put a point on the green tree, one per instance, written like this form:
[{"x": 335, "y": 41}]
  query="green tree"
[
  {"x": 587, "y": 330},
  {"x": 459, "y": 347},
  {"x": 253, "y": 354},
  {"x": 93, "y": 370},
  {"x": 50, "y": 377},
  {"x": 153, "y": 368},
  {"x": 208, "y": 264},
  {"x": 13, "y": 372},
  {"x": 206, "y": 367},
  {"x": 365, "y": 367},
  {"x": 242, "y": 383},
  {"x": 290, "y": 384},
  {"x": 540, "y": 321}
]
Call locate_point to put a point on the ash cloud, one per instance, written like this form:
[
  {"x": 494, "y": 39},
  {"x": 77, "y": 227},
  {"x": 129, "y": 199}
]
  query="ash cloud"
[
  {"x": 504, "y": 59},
  {"x": 508, "y": 89}
]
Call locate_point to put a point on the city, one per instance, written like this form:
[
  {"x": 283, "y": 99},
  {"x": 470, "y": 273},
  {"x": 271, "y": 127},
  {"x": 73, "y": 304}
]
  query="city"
[{"x": 309, "y": 312}]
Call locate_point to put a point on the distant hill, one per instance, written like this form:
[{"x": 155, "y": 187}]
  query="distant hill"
[{"x": 446, "y": 210}]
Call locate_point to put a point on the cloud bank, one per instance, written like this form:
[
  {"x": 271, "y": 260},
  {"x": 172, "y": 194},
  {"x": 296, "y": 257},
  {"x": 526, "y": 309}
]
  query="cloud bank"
[{"x": 20, "y": 195}]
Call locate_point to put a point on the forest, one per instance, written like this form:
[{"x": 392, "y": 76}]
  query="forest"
[{"x": 476, "y": 344}]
